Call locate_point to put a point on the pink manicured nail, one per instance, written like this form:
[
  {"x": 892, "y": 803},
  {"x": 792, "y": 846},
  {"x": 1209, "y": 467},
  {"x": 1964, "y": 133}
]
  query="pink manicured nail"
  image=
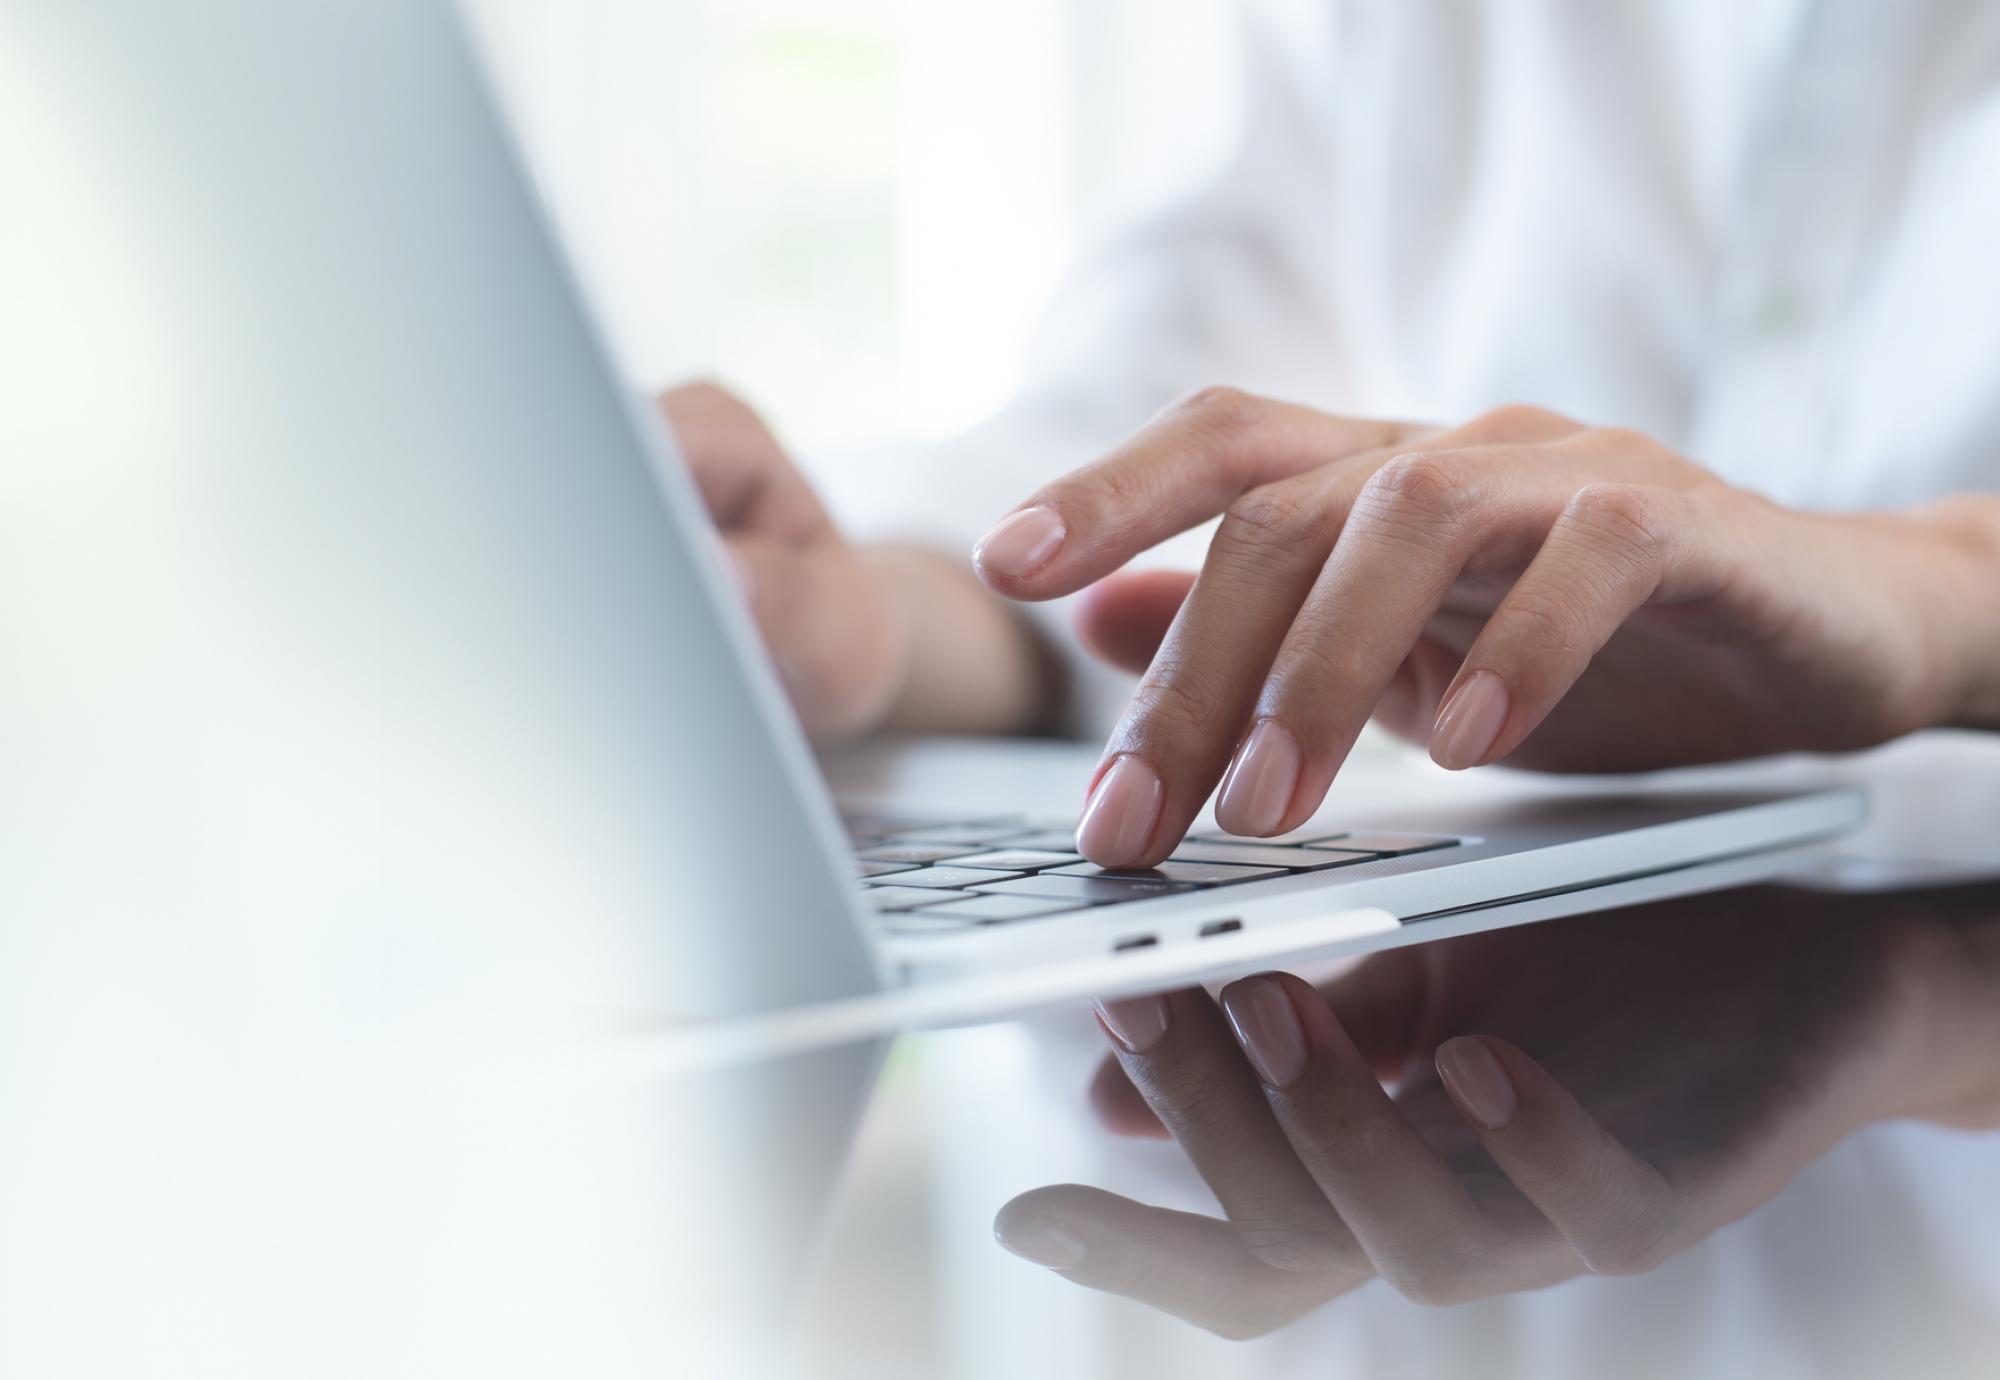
[
  {"x": 1258, "y": 788},
  {"x": 1268, "y": 1028},
  {"x": 1138, "y": 1023},
  {"x": 1022, "y": 544},
  {"x": 1475, "y": 1076},
  {"x": 1121, "y": 815},
  {"x": 1470, "y": 722}
]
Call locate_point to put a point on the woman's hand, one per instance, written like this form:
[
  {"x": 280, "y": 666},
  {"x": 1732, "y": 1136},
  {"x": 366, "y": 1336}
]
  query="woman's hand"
[
  {"x": 863, "y": 637},
  {"x": 1523, "y": 587},
  {"x": 1635, "y": 1082}
]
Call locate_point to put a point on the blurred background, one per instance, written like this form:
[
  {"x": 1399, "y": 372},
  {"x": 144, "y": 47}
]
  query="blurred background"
[{"x": 854, "y": 212}]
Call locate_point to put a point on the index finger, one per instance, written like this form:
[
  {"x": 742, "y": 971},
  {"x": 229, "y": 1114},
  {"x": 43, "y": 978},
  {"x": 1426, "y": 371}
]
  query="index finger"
[{"x": 1184, "y": 468}]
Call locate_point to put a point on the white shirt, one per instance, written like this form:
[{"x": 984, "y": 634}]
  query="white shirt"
[{"x": 1763, "y": 231}]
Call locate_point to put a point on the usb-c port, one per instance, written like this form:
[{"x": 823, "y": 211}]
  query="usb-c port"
[
  {"x": 1137, "y": 941},
  {"x": 1215, "y": 927}
]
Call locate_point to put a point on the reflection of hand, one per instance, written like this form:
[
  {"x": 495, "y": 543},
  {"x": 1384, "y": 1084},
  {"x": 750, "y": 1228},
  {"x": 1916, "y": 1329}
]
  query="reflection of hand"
[
  {"x": 1636, "y": 1081},
  {"x": 863, "y": 637},
  {"x": 1522, "y": 587}
]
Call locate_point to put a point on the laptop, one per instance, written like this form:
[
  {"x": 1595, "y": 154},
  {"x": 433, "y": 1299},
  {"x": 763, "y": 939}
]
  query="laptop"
[
  {"x": 437, "y": 534},
  {"x": 367, "y": 617}
]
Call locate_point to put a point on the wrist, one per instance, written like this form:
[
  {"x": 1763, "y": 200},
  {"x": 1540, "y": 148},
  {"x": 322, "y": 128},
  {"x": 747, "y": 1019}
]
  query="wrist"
[{"x": 1965, "y": 532}]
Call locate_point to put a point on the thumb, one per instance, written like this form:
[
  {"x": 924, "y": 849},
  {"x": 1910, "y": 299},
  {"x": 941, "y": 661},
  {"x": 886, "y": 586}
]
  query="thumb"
[{"x": 1124, "y": 617}]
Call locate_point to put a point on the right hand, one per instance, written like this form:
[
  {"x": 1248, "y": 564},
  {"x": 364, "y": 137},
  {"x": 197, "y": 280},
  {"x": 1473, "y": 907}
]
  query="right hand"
[
  {"x": 838, "y": 636},
  {"x": 1524, "y": 587}
]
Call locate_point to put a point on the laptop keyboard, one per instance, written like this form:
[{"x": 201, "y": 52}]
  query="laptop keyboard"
[{"x": 932, "y": 877}]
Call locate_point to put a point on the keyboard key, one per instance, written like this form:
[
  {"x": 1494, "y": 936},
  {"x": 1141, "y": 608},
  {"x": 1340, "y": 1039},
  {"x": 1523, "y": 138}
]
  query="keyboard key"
[
  {"x": 1047, "y": 840},
  {"x": 1084, "y": 890},
  {"x": 1197, "y": 873},
  {"x": 880, "y": 869},
  {"x": 935, "y": 921},
  {"x": 1016, "y": 860},
  {"x": 879, "y": 826},
  {"x": 997, "y": 908},
  {"x": 977, "y": 832},
  {"x": 902, "y": 897},
  {"x": 1311, "y": 833},
  {"x": 1389, "y": 845},
  {"x": 911, "y": 853},
  {"x": 950, "y": 877},
  {"x": 1260, "y": 855}
]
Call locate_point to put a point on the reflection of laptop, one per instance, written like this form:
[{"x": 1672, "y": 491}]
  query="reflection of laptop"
[{"x": 424, "y": 534}]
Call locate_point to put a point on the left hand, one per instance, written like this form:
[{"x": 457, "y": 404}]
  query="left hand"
[
  {"x": 863, "y": 636},
  {"x": 1636, "y": 1081}
]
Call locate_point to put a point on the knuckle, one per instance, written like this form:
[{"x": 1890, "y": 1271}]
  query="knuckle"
[
  {"x": 1220, "y": 408},
  {"x": 1273, "y": 515},
  {"x": 1416, "y": 488},
  {"x": 1623, "y": 516},
  {"x": 1521, "y": 419},
  {"x": 1178, "y": 701}
]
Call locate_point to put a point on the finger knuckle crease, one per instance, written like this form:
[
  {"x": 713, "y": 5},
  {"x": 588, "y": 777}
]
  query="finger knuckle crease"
[
  {"x": 1415, "y": 488},
  {"x": 1619, "y": 516},
  {"x": 1268, "y": 517},
  {"x": 1178, "y": 698}
]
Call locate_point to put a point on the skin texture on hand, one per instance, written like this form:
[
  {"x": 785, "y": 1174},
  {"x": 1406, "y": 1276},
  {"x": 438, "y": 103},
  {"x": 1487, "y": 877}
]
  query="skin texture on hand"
[
  {"x": 863, "y": 637},
  {"x": 1504, "y": 1111},
  {"x": 1522, "y": 587}
]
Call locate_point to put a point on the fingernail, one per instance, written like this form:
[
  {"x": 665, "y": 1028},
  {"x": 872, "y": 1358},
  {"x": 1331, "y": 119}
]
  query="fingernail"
[
  {"x": 1267, "y": 1026},
  {"x": 1044, "y": 1242},
  {"x": 1121, "y": 814},
  {"x": 1138, "y": 1023},
  {"x": 1022, "y": 544},
  {"x": 1258, "y": 788},
  {"x": 1469, "y": 722},
  {"x": 1477, "y": 1078}
]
